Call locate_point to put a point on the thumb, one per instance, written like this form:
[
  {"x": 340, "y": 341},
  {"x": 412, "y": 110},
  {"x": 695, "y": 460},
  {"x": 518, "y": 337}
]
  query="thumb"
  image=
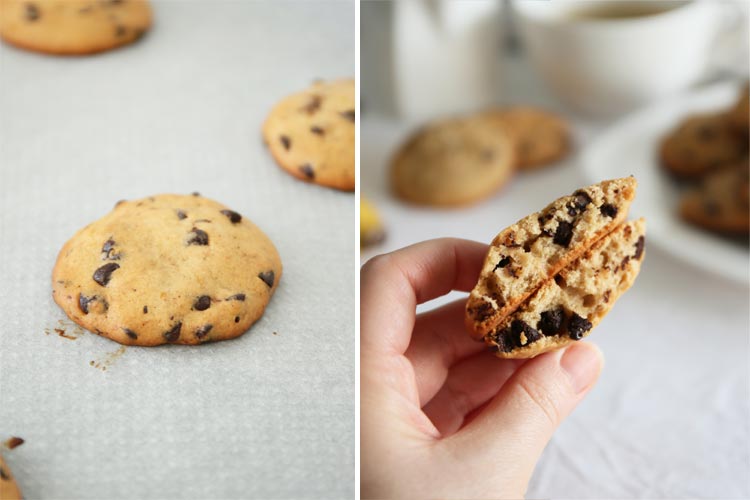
[{"x": 518, "y": 422}]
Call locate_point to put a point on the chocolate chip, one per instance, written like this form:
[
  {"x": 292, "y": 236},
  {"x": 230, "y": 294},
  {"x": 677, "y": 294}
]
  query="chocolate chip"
[
  {"x": 502, "y": 263},
  {"x": 83, "y": 302},
  {"x": 32, "y": 12},
  {"x": 203, "y": 220},
  {"x": 14, "y": 442},
  {"x": 181, "y": 215},
  {"x": 711, "y": 208},
  {"x": 317, "y": 130},
  {"x": 108, "y": 250},
  {"x": 639, "y": 248},
  {"x": 173, "y": 334},
  {"x": 130, "y": 333},
  {"x": 239, "y": 296},
  {"x": 197, "y": 237},
  {"x": 267, "y": 277},
  {"x": 578, "y": 326},
  {"x": 236, "y": 319},
  {"x": 518, "y": 327},
  {"x": 551, "y": 321},
  {"x": 582, "y": 199},
  {"x": 504, "y": 341},
  {"x": 563, "y": 234},
  {"x": 195, "y": 193},
  {"x": 307, "y": 171},
  {"x": 481, "y": 311},
  {"x": 285, "y": 141},
  {"x": 120, "y": 30},
  {"x": 608, "y": 210},
  {"x": 145, "y": 309},
  {"x": 349, "y": 115},
  {"x": 202, "y": 303},
  {"x": 313, "y": 105},
  {"x": 202, "y": 331},
  {"x": 234, "y": 217},
  {"x": 119, "y": 202},
  {"x": 104, "y": 273},
  {"x": 4, "y": 475}
]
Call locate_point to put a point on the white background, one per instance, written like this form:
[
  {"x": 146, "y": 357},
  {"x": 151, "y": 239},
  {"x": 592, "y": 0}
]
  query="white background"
[
  {"x": 670, "y": 416},
  {"x": 261, "y": 416}
]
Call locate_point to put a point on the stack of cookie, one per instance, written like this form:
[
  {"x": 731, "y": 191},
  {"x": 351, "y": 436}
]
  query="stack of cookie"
[
  {"x": 460, "y": 161},
  {"x": 709, "y": 152}
]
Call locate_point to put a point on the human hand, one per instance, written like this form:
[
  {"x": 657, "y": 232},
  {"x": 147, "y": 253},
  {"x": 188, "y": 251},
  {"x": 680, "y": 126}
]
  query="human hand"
[{"x": 441, "y": 416}]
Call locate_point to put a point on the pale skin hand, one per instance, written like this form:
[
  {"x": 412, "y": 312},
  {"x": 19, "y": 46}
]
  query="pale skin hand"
[{"x": 441, "y": 417}]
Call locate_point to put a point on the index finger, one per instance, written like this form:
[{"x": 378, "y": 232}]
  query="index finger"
[{"x": 393, "y": 284}]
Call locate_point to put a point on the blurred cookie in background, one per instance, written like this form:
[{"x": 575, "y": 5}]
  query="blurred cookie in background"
[
  {"x": 73, "y": 27},
  {"x": 721, "y": 202},
  {"x": 540, "y": 138},
  {"x": 8, "y": 487},
  {"x": 739, "y": 115},
  {"x": 701, "y": 143},
  {"x": 456, "y": 161}
]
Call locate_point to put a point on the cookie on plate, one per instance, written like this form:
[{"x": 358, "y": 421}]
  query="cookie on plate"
[
  {"x": 311, "y": 134},
  {"x": 565, "y": 309},
  {"x": 701, "y": 143},
  {"x": 531, "y": 251},
  {"x": 167, "y": 269},
  {"x": 539, "y": 137},
  {"x": 8, "y": 487},
  {"x": 739, "y": 115},
  {"x": 720, "y": 202},
  {"x": 73, "y": 27},
  {"x": 456, "y": 161}
]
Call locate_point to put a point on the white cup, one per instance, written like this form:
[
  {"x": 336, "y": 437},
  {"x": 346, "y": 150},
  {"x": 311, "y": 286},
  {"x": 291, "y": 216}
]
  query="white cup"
[{"x": 603, "y": 66}]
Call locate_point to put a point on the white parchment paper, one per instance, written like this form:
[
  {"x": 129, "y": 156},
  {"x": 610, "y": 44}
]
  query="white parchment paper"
[{"x": 267, "y": 415}]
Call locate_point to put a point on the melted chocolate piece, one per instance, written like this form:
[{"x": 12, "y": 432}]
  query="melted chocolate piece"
[
  {"x": 267, "y": 277},
  {"x": 234, "y": 217},
  {"x": 173, "y": 334},
  {"x": 104, "y": 273}
]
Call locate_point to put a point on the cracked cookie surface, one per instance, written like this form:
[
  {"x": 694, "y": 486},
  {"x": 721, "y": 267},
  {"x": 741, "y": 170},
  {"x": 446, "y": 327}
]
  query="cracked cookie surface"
[
  {"x": 567, "y": 307},
  {"x": 73, "y": 27},
  {"x": 452, "y": 162},
  {"x": 528, "y": 253},
  {"x": 311, "y": 134},
  {"x": 167, "y": 269}
]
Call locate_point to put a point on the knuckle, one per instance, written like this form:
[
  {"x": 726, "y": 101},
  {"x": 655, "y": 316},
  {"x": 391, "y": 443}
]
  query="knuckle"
[{"x": 541, "y": 397}]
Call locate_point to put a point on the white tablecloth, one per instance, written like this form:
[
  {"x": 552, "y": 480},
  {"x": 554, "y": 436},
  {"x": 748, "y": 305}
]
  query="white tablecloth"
[
  {"x": 270, "y": 414},
  {"x": 670, "y": 416}
]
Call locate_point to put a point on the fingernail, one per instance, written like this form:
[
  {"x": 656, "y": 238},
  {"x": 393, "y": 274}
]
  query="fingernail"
[{"x": 582, "y": 362}]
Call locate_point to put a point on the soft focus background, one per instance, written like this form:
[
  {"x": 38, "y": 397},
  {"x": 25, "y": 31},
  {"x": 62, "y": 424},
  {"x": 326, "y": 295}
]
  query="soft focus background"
[
  {"x": 268, "y": 415},
  {"x": 670, "y": 417}
]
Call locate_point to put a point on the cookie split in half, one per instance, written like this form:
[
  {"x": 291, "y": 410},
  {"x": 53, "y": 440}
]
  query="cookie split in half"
[
  {"x": 73, "y": 27},
  {"x": 167, "y": 269},
  {"x": 566, "y": 308},
  {"x": 311, "y": 134},
  {"x": 524, "y": 257}
]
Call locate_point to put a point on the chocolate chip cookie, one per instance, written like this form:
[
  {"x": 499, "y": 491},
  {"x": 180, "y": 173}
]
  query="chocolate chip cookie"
[
  {"x": 539, "y": 137},
  {"x": 720, "y": 202},
  {"x": 8, "y": 487},
  {"x": 73, "y": 27},
  {"x": 701, "y": 143},
  {"x": 311, "y": 134},
  {"x": 739, "y": 115},
  {"x": 168, "y": 269},
  {"x": 565, "y": 309},
  {"x": 456, "y": 161},
  {"x": 533, "y": 250}
]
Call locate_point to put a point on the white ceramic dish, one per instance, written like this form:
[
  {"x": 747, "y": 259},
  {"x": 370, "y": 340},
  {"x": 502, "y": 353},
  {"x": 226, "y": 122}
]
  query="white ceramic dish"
[{"x": 629, "y": 147}]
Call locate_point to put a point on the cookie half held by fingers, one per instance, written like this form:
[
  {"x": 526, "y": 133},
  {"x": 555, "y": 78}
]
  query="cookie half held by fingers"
[
  {"x": 567, "y": 307},
  {"x": 530, "y": 252}
]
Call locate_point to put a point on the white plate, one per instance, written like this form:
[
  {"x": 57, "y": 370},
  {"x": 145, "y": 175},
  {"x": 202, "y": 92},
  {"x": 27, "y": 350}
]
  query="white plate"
[{"x": 629, "y": 147}]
